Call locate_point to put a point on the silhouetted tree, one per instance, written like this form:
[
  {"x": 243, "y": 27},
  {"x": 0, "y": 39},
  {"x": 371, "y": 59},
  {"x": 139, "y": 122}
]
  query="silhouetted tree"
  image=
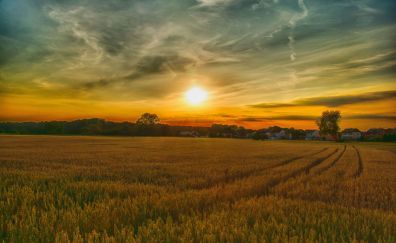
[
  {"x": 148, "y": 119},
  {"x": 148, "y": 125},
  {"x": 328, "y": 123}
]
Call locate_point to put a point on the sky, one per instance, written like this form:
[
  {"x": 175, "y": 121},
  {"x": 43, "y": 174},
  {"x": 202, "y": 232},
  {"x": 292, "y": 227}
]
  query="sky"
[{"x": 261, "y": 62}]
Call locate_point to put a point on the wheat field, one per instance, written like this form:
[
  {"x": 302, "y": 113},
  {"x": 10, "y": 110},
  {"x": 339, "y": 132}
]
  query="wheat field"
[{"x": 115, "y": 189}]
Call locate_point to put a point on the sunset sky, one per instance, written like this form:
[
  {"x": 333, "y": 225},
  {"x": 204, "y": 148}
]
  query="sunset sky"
[{"x": 261, "y": 62}]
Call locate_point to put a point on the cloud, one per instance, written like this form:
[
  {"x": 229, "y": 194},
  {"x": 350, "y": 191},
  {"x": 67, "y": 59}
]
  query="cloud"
[
  {"x": 292, "y": 24},
  {"x": 258, "y": 119},
  {"x": 96, "y": 84},
  {"x": 294, "y": 117},
  {"x": 209, "y": 3},
  {"x": 367, "y": 9},
  {"x": 332, "y": 101},
  {"x": 251, "y": 119},
  {"x": 277, "y": 118},
  {"x": 160, "y": 64},
  {"x": 72, "y": 22},
  {"x": 372, "y": 117},
  {"x": 146, "y": 66}
]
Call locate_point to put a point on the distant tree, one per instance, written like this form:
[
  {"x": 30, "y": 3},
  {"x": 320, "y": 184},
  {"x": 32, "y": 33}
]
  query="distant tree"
[
  {"x": 260, "y": 135},
  {"x": 232, "y": 131},
  {"x": 296, "y": 134},
  {"x": 148, "y": 125},
  {"x": 148, "y": 119},
  {"x": 389, "y": 138},
  {"x": 274, "y": 129},
  {"x": 328, "y": 123}
]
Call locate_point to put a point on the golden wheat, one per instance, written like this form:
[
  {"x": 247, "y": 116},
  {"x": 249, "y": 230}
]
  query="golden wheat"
[{"x": 106, "y": 189}]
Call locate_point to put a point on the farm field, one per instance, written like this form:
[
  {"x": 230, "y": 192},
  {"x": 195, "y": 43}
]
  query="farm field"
[{"x": 115, "y": 189}]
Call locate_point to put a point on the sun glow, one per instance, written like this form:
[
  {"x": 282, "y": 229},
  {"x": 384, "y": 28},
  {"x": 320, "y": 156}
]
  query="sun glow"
[{"x": 196, "y": 95}]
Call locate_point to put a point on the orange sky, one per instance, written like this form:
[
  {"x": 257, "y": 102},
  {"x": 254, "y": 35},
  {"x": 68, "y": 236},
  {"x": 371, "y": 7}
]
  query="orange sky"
[{"x": 180, "y": 112}]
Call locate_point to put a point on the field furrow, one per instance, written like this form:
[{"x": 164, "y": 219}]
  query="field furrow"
[
  {"x": 359, "y": 170},
  {"x": 287, "y": 161},
  {"x": 333, "y": 163},
  {"x": 240, "y": 175}
]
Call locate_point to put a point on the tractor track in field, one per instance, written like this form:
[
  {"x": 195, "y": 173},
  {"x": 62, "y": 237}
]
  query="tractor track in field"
[
  {"x": 360, "y": 168},
  {"x": 288, "y": 161},
  {"x": 333, "y": 163},
  {"x": 306, "y": 169},
  {"x": 246, "y": 174}
]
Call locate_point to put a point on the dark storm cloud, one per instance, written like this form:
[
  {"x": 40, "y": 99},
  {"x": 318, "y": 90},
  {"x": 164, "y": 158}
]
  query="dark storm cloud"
[{"x": 333, "y": 101}]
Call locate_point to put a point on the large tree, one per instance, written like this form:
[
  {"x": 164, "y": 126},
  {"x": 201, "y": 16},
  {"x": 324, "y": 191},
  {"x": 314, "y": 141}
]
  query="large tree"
[
  {"x": 148, "y": 119},
  {"x": 328, "y": 123}
]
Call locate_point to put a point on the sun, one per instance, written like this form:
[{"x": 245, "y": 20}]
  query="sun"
[{"x": 196, "y": 95}]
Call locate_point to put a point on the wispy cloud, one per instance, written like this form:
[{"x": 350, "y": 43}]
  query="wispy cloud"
[
  {"x": 277, "y": 118},
  {"x": 71, "y": 22},
  {"x": 332, "y": 101},
  {"x": 292, "y": 24},
  {"x": 372, "y": 117},
  {"x": 257, "y": 119},
  {"x": 206, "y": 3}
]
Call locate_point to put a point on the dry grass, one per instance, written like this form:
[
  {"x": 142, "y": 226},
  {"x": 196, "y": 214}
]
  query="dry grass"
[{"x": 102, "y": 189}]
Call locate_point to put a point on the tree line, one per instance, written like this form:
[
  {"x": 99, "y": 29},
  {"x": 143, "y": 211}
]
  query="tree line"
[{"x": 149, "y": 125}]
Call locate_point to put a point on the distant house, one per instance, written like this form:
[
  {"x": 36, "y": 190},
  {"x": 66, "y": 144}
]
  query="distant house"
[
  {"x": 281, "y": 135},
  {"x": 312, "y": 135},
  {"x": 278, "y": 135},
  {"x": 351, "y": 134}
]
